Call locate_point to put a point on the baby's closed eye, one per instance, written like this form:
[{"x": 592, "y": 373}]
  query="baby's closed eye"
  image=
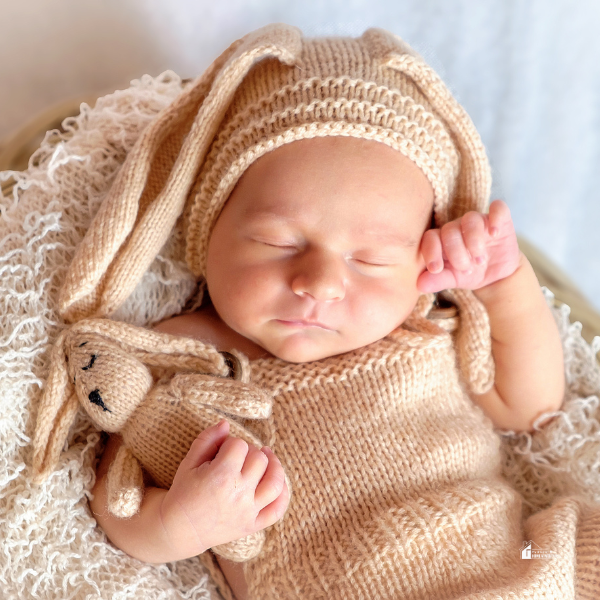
[
  {"x": 369, "y": 262},
  {"x": 276, "y": 244},
  {"x": 375, "y": 263}
]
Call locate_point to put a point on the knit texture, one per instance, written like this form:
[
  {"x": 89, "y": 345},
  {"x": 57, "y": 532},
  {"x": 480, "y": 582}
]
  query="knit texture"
[
  {"x": 277, "y": 105},
  {"x": 145, "y": 386},
  {"x": 397, "y": 486},
  {"x": 51, "y": 545},
  {"x": 135, "y": 221},
  {"x": 269, "y": 88}
]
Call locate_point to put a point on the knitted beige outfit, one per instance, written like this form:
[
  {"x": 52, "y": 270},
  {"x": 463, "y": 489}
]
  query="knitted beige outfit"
[
  {"x": 394, "y": 472},
  {"x": 397, "y": 487}
]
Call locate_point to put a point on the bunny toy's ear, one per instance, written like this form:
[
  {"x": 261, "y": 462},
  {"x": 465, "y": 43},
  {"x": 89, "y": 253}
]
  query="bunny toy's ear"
[
  {"x": 56, "y": 413},
  {"x": 474, "y": 179},
  {"x": 149, "y": 193},
  {"x": 154, "y": 348},
  {"x": 59, "y": 403}
]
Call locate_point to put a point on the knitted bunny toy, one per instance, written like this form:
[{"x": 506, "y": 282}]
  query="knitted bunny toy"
[{"x": 159, "y": 392}]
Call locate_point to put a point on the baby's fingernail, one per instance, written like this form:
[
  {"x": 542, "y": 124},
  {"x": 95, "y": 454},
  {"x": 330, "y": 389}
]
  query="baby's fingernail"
[
  {"x": 433, "y": 266},
  {"x": 493, "y": 231},
  {"x": 479, "y": 260}
]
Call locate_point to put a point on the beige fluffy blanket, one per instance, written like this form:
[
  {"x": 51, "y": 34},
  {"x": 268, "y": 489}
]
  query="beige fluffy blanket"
[{"x": 51, "y": 547}]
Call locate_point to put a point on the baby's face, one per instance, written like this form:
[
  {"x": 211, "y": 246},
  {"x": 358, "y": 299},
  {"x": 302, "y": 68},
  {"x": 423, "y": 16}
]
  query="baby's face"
[{"x": 323, "y": 230}]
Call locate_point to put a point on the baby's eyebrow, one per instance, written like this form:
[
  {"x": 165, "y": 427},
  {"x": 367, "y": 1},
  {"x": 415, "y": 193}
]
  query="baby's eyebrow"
[{"x": 380, "y": 234}]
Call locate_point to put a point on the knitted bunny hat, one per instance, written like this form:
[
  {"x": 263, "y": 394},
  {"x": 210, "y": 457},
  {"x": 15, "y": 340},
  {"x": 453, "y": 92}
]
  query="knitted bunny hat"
[{"x": 269, "y": 88}]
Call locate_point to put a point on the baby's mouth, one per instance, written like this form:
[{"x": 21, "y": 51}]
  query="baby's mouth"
[{"x": 303, "y": 324}]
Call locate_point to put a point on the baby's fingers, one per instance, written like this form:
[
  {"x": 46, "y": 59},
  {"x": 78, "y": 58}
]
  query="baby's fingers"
[
  {"x": 232, "y": 455},
  {"x": 274, "y": 511},
  {"x": 473, "y": 225},
  {"x": 499, "y": 217},
  {"x": 272, "y": 483},
  {"x": 206, "y": 445},
  {"x": 255, "y": 465},
  {"x": 431, "y": 249},
  {"x": 454, "y": 246}
]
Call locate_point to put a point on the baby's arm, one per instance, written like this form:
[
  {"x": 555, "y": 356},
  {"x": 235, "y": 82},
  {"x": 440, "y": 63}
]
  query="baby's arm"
[
  {"x": 526, "y": 342},
  {"x": 223, "y": 490},
  {"x": 527, "y": 350}
]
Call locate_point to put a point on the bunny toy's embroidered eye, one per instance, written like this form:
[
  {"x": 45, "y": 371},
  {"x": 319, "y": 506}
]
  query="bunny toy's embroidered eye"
[
  {"x": 91, "y": 363},
  {"x": 96, "y": 398}
]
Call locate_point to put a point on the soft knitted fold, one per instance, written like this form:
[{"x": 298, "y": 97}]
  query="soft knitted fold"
[{"x": 398, "y": 490}]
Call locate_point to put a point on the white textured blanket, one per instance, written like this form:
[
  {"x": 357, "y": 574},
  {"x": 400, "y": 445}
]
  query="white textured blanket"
[{"x": 51, "y": 547}]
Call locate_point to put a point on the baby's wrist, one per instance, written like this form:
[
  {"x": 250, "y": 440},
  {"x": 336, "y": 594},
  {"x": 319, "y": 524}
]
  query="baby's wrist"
[
  {"x": 158, "y": 547},
  {"x": 179, "y": 537},
  {"x": 504, "y": 289}
]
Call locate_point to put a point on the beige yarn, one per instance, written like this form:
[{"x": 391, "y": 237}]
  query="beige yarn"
[
  {"x": 277, "y": 105},
  {"x": 269, "y": 88},
  {"x": 158, "y": 391},
  {"x": 397, "y": 484},
  {"x": 62, "y": 190},
  {"x": 135, "y": 220}
]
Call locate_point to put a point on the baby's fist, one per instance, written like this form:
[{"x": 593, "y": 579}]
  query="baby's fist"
[
  {"x": 224, "y": 489},
  {"x": 470, "y": 252}
]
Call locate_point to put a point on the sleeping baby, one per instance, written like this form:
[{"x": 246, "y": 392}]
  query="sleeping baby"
[{"x": 335, "y": 204}]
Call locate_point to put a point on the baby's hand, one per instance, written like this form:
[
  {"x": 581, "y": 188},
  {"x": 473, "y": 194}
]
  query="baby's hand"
[
  {"x": 471, "y": 252},
  {"x": 224, "y": 489}
]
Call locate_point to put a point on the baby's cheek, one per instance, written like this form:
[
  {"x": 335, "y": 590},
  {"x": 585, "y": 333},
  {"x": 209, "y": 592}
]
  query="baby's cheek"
[
  {"x": 256, "y": 291},
  {"x": 384, "y": 303},
  {"x": 253, "y": 279}
]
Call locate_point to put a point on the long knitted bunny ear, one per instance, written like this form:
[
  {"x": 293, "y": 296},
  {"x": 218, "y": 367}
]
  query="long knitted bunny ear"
[
  {"x": 472, "y": 192},
  {"x": 149, "y": 194},
  {"x": 152, "y": 348},
  {"x": 473, "y": 184},
  {"x": 56, "y": 412}
]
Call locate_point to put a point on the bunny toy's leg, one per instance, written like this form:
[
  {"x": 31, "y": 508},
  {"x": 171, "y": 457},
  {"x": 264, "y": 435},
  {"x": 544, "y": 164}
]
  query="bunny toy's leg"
[
  {"x": 243, "y": 549},
  {"x": 125, "y": 484}
]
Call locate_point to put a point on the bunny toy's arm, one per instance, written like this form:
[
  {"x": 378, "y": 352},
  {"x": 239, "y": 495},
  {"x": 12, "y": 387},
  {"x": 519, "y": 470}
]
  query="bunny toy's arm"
[{"x": 124, "y": 484}]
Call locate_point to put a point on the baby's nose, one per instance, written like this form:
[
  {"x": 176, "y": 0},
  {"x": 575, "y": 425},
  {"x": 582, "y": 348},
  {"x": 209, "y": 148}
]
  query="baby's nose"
[{"x": 321, "y": 275}]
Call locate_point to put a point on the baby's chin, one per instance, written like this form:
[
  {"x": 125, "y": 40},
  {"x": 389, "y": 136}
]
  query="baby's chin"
[{"x": 307, "y": 350}]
